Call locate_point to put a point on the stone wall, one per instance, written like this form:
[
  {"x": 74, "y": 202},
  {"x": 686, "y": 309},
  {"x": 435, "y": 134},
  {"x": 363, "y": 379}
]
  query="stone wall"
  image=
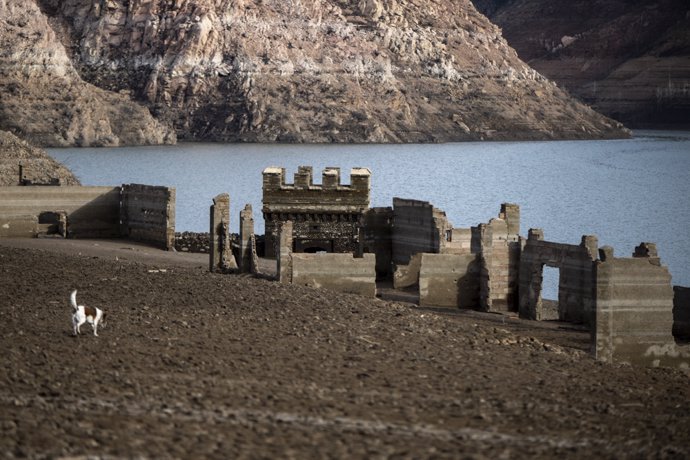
[
  {"x": 634, "y": 310},
  {"x": 91, "y": 212},
  {"x": 449, "y": 280},
  {"x": 147, "y": 214},
  {"x": 499, "y": 257},
  {"x": 247, "y": 249},
  {"x": 681, "y": 313},
  {"x": 417, "y": 227},
  {"x": 283, "y": 249},
  {"x": 376, "y": 237},
  {"x": 325, "y": 217},
  {"x": 576, "y": 280},
  {"x": 337, "y": 272},
  {"x": 220, "y": 253},
  {"x": 139, "y": 212}
]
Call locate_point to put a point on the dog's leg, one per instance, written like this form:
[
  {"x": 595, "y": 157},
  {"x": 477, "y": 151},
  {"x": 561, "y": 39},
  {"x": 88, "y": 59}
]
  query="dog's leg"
[{"x": 95, "y": 328}]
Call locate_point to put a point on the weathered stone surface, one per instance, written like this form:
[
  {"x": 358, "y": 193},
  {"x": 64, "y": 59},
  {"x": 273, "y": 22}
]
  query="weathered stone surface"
[
  {"x": 220, "y": 254},
  {"x": 629, "y": 60},
  {"x": 576, "y": 293},
  {"x": 449, "y": 280},
  {"x": 283, "y": 250},
  {"x": 681, "y": 313},
  {"x": 36, "y": 165},
  {"x": 324, "y": 217},
  {"x": 139, "y": 212},
  {"x": 266, "y": 71},
  {"x": 634, "y": 313},
  {"x": 247, "y": 244},
  {"x": 46, "y": 101},
  {"x": 417, "y": 227},
  {"x": 337, "y": 272},
  {"x": 147, "y": 213}
]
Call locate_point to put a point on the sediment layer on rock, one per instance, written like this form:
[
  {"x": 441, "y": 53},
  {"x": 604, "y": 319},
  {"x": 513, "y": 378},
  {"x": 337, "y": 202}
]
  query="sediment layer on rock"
[
  {"x": 318, "y": 70},
  {"x": 45, "y": 101},
  {"x": 629, "y": 60}
]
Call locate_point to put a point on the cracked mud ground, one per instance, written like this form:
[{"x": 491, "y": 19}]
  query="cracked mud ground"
[{"x": 193, "y": 364}]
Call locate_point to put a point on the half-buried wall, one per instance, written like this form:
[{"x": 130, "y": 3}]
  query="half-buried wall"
[
  {"x": 138, "y": 212},
  {"x": 634, "y": 310}
]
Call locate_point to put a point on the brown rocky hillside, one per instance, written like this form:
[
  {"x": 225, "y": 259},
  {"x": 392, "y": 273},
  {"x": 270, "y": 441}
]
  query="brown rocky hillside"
[
  {"x": 308, "y": 71},
  {"x": 44, "y": 100},
  {"x": 628, "y": 59},
  {"x": 38, "y": 166}
]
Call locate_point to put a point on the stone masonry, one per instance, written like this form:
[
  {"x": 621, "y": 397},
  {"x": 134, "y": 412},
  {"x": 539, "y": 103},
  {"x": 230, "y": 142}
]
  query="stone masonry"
[
  {"x": 325, "y": 217},
  {"x": 576, "y": 280},
  {"x": 634, "y": 310},
  {"x": 220, "y": 253}
]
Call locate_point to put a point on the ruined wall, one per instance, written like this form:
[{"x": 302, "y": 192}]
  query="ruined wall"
[
  {"x": 499, "y": 258},
  {"x": 681, "y": 313},
  {"x": 449, "y": 280},
  {"x": 147, "y": 214},
  {"x": 417, "y": 227},
  {"x": 283, "y": 249},
  {"x": 634, "y": 311},
  {"x": 220, "y": 252},
  {"x": 325, "y": 217},
  {"x": 247, "y": 248},
  {"x": 376, "y": 237},
  {"x": 576, "y": 277},
  {"x": 91, "y": 212},
  {"x": 338, "y": 272}
]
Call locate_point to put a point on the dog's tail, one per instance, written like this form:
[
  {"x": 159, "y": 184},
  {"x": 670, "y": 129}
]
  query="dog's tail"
[{"x": 73, "y": 299}]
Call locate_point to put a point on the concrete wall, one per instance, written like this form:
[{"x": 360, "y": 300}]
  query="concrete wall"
[
  {"x": 449, "y": 280},
  {"x": 681, "y": 313},
  {"x": 338, "y": 272},
  {"x": 576, "y": 280},
  {"x": 147, "y": 214},
  {"x": 417, "y": 227},
  {"x": 92, "y": 212},
  {"x": 634, "y": 312}
]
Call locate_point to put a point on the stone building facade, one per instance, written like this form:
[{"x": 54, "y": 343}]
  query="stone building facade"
[{"x": 325, "y": 217}]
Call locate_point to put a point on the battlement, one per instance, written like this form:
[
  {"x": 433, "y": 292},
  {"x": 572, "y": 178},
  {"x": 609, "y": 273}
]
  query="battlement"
[
  {"x": 303, "y": 196},
  {"x": 275, "y": 179},
  {"x": 326, "y": 216}
]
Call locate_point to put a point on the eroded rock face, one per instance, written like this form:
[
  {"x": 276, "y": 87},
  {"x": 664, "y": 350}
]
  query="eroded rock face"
[
  {"x": 629, "y": 60},
  {"x": 318, "y": 70},
  {"x": 38, "y": 166},
  {"x": 45, "y": 100}
]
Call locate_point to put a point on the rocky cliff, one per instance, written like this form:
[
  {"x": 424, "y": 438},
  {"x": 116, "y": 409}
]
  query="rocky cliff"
[
  {"x": 628, "y": 59},
  {"x": 309, "y": 70},
  {"x": 43, "y": 98}
]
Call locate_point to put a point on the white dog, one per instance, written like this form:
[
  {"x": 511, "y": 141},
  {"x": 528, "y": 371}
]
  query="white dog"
[{"x": 83, "y": 314}]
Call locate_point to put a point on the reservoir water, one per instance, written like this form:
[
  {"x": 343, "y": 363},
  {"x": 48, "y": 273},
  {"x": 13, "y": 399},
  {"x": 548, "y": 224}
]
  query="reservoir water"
[{"x": 623, "y": 191}]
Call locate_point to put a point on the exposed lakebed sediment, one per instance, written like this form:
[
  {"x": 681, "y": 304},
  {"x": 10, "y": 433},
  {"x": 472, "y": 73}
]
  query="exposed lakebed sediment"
[{"x": 199, "y": 364}]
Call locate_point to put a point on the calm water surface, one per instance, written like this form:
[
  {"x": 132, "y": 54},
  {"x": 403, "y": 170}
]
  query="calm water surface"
[{"x": 623, "y": 191}]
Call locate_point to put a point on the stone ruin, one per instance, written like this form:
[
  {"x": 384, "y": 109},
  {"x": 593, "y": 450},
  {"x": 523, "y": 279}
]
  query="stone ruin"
[
  {"x": 325, "y": 217},
  {"x": 327, "y": 236}
]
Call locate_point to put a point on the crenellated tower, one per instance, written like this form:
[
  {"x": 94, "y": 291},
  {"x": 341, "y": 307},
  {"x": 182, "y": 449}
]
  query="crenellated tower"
[{"x": 326, "y": 217}]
